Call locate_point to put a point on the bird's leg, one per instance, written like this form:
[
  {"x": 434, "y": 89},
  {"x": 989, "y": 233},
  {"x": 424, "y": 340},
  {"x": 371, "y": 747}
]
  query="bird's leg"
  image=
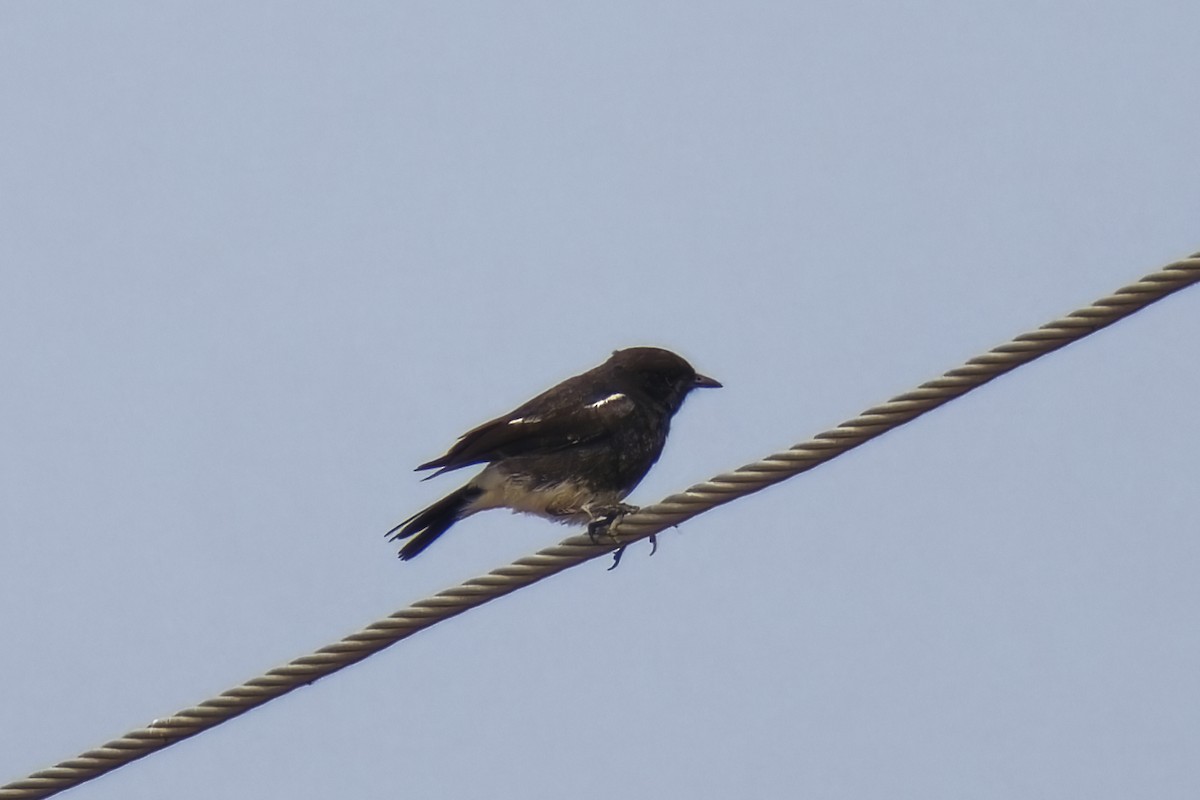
[
  {"x": 603, "y": 518},
  {"x": 605, "y": 521}
]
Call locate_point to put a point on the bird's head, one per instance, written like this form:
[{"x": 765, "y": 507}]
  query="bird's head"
[{"x": 660, "y": 374}]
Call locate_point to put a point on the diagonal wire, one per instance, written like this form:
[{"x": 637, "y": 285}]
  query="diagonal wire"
[{"x": 577, "y": 549}]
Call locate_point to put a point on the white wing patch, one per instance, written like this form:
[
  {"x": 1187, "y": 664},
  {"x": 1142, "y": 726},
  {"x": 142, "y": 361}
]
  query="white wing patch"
[
  {"x": 612, "y": 398},
  {"x": 530, "y": 420}
]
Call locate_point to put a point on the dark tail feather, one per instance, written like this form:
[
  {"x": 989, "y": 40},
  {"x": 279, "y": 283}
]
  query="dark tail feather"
[{"x": 431, "y": 523}]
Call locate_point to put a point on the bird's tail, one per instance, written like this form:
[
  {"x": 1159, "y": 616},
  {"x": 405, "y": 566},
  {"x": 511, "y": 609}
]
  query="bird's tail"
[{"x": 431, "y": 523}]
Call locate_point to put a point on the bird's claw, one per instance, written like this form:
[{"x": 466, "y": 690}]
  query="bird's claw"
[{"x": 620, "y": 551}]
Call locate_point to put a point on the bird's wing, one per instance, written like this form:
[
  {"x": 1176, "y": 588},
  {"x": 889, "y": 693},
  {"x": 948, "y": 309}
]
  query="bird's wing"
[{"x": 539, "y": 426}]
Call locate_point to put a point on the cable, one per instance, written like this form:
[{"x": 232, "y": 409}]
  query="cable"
[{"x": 575, "y": 550}]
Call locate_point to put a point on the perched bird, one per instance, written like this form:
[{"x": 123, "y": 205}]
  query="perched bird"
[{"x": 571, "y": 454}]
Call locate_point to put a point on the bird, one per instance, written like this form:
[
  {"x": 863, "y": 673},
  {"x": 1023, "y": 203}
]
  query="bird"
[{"x": 571, "y": 454}]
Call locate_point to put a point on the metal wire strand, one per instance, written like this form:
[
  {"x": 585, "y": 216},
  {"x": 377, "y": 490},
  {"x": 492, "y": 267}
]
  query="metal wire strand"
[{"x": 575, "y": 550}]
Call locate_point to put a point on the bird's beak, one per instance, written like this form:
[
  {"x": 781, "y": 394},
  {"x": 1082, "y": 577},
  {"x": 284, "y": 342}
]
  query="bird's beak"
[{"x": 705, "y": 382}]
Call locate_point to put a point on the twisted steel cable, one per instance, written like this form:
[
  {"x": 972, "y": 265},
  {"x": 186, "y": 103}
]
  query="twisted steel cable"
[{"x": 640, "y": 525}]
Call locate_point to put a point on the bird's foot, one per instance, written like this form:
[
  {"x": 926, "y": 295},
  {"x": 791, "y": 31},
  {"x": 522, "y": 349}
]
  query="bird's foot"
[{"x": 603, "y": 519}]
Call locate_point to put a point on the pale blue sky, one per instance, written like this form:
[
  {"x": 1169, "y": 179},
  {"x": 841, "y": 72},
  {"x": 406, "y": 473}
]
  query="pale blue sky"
[{"x": 257, "y": 261}]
